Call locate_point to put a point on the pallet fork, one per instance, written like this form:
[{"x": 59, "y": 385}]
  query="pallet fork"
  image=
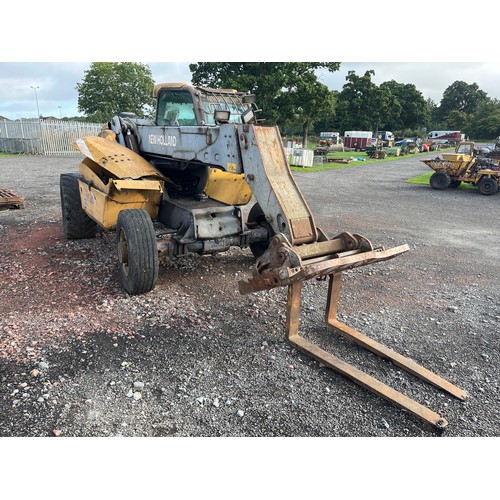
[{"x": 331, "y": 267}]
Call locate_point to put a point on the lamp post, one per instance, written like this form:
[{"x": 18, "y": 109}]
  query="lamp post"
[
  {"x": 36, "y": 97},
  {"x": 60, "y": 114}
]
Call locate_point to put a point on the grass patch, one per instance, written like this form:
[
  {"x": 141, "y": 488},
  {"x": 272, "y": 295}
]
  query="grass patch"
[
  {"x": 424, "y": 180},
  {"x": 349, "y": 154},
  {"x": 420, "y": 179}
]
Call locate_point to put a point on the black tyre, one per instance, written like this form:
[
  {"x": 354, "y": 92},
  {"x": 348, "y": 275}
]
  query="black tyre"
[
  {"x": 257, "y": 217},
  {"x": 487, "y": 186},
  {"x": 137, "y": 251},
  {"x": 454, "y": 184},
  {"x": 439, "y": 180},
  {"x": 76, "y": 223}
]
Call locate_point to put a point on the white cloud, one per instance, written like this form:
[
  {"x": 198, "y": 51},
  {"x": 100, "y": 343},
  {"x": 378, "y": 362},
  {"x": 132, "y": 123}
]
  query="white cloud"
[
  {"x": 431, "y": 78},
  {"x": 56, "y": 81}
]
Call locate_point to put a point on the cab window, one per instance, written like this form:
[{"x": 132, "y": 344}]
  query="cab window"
[
  {"x": 211, "y": 102},
  {"x": 464, "y": 149},
  {"x": 175, "y": 107}
]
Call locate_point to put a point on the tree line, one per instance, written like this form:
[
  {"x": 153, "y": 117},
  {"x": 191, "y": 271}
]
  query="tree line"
[{"x": 291, "y": 96}]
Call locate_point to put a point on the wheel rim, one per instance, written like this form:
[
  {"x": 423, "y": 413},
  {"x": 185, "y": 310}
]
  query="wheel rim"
[
  {"x": 488, "y": 187},
  {"x": 123, "y": 252}
]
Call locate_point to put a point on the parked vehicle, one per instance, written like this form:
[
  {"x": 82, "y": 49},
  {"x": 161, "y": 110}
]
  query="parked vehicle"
[
  {"x": 387, "y": 137},
  {"x": 331, "y": 137},
  {"x": 442, "y": 136},
  {"x": 357, "y": 140},
  {"x": 328, "y": 141},
  {"x": 404, "y": 142},
  {"x": 451, "y": 169}
]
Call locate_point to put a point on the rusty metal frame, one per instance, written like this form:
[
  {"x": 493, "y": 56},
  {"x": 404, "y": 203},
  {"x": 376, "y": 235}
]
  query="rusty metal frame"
[
  {"x": 359, "y": 377},
  {"x": 9, "y": 199}
]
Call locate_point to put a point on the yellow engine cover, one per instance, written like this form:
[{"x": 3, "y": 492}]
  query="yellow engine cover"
[
  {"x": 228, "y": 188},
  {"x": 103, "y": 201}
]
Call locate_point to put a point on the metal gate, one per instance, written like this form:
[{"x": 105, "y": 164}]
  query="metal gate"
[{"x": 44, "y": 137}]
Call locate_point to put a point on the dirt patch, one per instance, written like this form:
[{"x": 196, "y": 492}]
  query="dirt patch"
[{"x": 194, "y": 358}]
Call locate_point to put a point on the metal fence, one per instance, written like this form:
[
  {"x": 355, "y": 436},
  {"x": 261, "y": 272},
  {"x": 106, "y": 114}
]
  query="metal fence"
[{"x": 44, "y": 138}]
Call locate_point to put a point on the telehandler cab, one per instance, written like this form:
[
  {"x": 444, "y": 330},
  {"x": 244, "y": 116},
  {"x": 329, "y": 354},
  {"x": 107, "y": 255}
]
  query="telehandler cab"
[{"x": 176, "y": 185}]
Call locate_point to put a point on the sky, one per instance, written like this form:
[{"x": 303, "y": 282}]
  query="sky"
[
  {"x": 43, "y": 57},
  {"x": 50, "y": 87}
]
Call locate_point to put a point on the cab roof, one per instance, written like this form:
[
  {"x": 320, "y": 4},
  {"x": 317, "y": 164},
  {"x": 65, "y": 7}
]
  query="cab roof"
[{"x": 178, "y": 85}]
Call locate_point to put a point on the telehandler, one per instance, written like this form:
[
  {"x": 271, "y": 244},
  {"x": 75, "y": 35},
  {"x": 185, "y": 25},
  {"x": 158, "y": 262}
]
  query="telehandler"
[{"x": 175, "y": 184}]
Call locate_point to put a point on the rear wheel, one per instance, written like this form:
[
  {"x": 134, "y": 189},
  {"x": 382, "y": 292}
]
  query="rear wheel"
[
  {"x": 256, "y": 217},
  {"x": 137, "y": 251},
  {"x": 76, "y": 223},
  {"x": 439, "y": 180},
  {"x": 487, "y": 186}
]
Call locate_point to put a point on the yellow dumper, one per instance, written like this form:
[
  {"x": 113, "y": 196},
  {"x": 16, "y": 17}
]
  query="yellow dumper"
[{"x": 451, "y": 169}]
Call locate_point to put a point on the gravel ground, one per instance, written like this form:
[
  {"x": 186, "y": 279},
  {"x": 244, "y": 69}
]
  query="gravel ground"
[{"x": 79, "y": 357}]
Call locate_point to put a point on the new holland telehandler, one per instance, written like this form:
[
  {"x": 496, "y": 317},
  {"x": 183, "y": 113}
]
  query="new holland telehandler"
[{"x": 175, "y": 184}]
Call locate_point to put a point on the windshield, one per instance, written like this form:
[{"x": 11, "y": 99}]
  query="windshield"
[
  {"x": 175, "y": 107},
  {"x": 464, "y": 149},
  {"x": 230, "y": 102}
]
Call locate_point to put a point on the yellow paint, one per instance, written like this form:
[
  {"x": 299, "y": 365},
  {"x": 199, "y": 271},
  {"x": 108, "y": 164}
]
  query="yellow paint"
[
  {"x": 103, "y": 200},
  {"x": 456, "y": 158},
  {"x": 228, "y": 187},
  {"x": 231, "y": 167},
  {"x": 107, "y": 134},
  {"x": 116, "y": 159}
]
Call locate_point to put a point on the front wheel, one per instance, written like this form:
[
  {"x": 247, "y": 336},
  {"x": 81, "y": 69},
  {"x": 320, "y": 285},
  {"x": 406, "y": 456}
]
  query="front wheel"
[
  {"x": 439, "y": 180},
  {"x": 487, "y": 186},
  {"x": 137, "y": 251}
]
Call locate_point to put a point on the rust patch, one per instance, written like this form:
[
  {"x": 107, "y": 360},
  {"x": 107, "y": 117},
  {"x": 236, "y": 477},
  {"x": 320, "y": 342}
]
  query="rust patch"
[{"x": 9, "y": 199}]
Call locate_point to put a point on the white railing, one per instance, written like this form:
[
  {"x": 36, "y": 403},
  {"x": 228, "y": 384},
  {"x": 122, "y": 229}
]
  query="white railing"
[{"x": 44, "y": 138}]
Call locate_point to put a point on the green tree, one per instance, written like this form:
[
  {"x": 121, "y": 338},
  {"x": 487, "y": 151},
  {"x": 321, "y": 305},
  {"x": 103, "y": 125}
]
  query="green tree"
[
  {"x": 287, "y": 92},
  {"x": 327, "y": 121},
  {"x": 434, "y": 110},
  {"x": 456, "y": 120},
  {"x": 485, "y": 123},
  {"x": 459, "y": 104},
  {"x": 305, "y": 103},
  {"x": 415, "y": 110},
  {"x": 461, "y": 96},
  {"x": 109, "y": 88},
  {"x": 362, "y": 105}
]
